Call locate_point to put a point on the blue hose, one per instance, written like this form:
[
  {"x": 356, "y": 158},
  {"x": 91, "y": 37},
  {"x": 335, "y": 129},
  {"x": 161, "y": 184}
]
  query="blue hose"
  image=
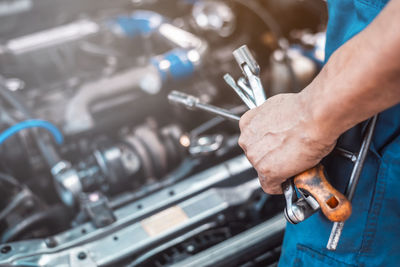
[{"x": 32, "y": 124}]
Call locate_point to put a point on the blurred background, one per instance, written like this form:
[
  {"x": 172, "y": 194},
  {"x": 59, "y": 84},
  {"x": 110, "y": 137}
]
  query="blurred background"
[{"x": 98, "y": 168}]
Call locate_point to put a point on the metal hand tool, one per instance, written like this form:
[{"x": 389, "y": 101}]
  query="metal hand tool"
[
  {"x": 242, "y": 83},
  {"x": 243, "y": 57},
  {"x": 192, "y": 102},
  {"x": 251, "y": 71},
  {"x": 314, "y": 188},
  {"x": 231, "y": 82},
  {"x": 315, "y": 193},
  {"x": 354, "y": 178}
]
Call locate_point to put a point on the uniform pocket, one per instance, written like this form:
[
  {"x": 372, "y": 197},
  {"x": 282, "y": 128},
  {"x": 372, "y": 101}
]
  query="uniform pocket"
[
  {"x": 307, "y": 257},
  {"x": 384, "y": 215}
]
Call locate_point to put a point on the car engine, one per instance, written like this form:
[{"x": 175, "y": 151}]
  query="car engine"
[{"x": 109, "y": 172}]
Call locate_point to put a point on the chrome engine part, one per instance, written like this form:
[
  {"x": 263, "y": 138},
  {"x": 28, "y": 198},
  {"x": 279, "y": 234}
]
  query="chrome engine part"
[{"x": 99, "y": 169}]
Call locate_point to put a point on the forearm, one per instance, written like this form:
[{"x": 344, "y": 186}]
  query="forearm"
[{"x": 361, "y": 78}]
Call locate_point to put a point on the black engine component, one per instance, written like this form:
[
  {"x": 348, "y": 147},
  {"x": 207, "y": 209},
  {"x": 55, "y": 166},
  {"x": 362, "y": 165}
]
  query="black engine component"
[
  {"x": 128, "y": 179},
  {"x": 140, "y": 155}
]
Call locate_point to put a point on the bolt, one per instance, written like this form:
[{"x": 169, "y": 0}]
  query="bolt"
[
  {"x": 241, "y": 214},
  {"x": 190, "y": 248},
  {"x": 82, "y": 255},
  {"x": 29, "y": 204},
  {"x": 105, "y": 221},
  {"x": 221, "y": 218},
  {"x": 51, "y": 242},
  {"x": 5, "y": 249}
]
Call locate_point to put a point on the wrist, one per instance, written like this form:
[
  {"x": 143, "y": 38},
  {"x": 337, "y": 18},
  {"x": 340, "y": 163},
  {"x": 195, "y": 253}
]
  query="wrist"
[{"x": 323, "y": 124}]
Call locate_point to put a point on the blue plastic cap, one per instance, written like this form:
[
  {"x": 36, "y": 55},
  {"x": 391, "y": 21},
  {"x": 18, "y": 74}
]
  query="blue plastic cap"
[
  {"x": 139, "y": 23},
  {"x": 174, "y": 62}
]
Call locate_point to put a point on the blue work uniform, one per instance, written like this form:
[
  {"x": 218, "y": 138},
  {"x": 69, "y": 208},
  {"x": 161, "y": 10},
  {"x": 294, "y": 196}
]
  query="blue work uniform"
[{"x": 371, "y": 236}]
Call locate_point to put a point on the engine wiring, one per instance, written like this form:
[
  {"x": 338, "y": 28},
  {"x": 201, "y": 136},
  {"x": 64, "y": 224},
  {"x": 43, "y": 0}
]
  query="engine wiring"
[
  {"x": 46, "y": 148},
  {"x": 58, "y": 137}
]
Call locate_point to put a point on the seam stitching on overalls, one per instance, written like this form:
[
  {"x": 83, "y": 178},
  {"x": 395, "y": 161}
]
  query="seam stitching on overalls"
[
  {"x": 373, "y": 216},
  {"x": 319, "y": 256},
  {"x": 374, "y": 4}
]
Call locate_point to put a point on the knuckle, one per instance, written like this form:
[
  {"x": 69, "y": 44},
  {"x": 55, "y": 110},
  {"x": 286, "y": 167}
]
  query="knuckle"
[
  {"x": 241, "y": 141},
  {"x": 245, "y": 120},
  {"x": 264, "y": 184},
  {"x": 264, "y": 170},
  {"x": 271, "y": 191},
  {"x": 251, "y": 156},
  {"x": 269, "y": 184},
  {"x": 242, "y": 123}
]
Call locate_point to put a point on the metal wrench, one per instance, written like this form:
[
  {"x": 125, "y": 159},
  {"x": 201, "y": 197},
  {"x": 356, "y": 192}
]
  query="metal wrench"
[
  {"x": 354, "y": 178},
  {"x": 243, "y": 95},
  {"x": 242, "y": 83},
  {"x": 192, "y": 102}
]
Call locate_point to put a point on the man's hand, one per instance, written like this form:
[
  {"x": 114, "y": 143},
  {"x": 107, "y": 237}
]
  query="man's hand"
[
  {"x": 281, "y": 139},
  {"x": 291, "y": 133}
]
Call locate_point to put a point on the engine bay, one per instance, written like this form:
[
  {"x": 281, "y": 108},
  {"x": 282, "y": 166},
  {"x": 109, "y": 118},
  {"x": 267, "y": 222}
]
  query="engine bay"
[{"x": 109, "y": 173}]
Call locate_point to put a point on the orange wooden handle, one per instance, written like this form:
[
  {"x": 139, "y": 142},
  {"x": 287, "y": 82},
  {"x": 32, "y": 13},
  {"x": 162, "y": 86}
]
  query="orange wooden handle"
[{"x": 335, "y": 206}]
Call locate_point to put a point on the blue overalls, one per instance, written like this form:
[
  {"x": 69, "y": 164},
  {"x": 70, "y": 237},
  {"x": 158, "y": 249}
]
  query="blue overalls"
[{"x": 371, "y": 237}]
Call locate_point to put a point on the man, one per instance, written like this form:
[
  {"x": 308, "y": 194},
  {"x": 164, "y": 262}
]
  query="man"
[{"x": 290, "y": 133}]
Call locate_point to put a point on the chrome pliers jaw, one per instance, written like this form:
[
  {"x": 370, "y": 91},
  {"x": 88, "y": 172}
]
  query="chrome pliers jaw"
[{"x": 297, "y": 208}]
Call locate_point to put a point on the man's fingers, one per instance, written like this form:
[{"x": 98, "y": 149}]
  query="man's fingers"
[
  {"x": 270, "y": 186},
  {"x": 242, "y": 142},
  {"x": 277, "y": 190},
  {"x": 246, "y": 119}
]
